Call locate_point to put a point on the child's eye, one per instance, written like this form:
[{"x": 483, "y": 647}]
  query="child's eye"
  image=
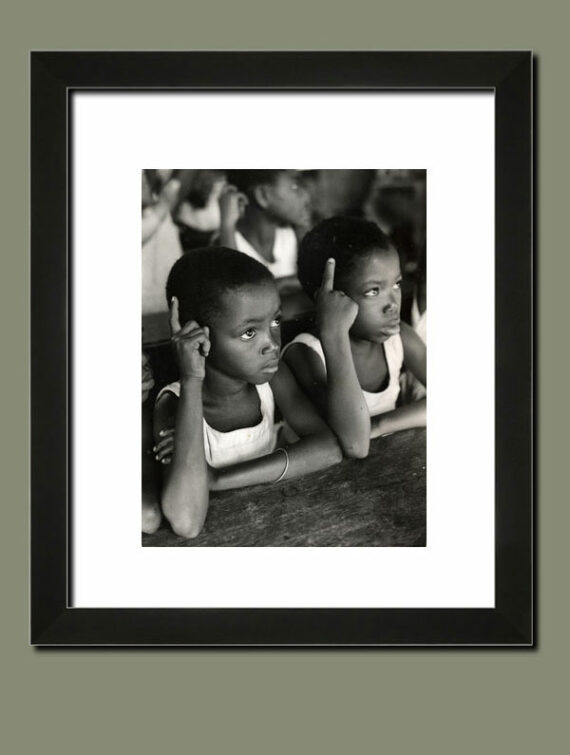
[
  {"x": 276, "y": 322},
  {"x": 248, "y": 334},
  {"x": 398, "y": 284},
  {"x": 372, "y": 292}
]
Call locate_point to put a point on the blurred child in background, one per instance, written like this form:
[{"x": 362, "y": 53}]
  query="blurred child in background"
[
  {"x": 160, "y": 242},
  {"x": 198, "y": 213},
  {"x": 263, "y": 214}
]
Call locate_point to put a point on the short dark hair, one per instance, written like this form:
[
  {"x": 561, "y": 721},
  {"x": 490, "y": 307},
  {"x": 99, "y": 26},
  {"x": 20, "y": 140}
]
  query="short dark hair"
[
  {"x": 200, "y": 278},
  {"x": 247, "y": 180},
  {"x": 343, "y": 238}
]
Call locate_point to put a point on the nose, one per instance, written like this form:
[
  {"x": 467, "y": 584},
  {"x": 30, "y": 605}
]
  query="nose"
[
  {"x": 270, "y": 345},
  {"x": 390, "y": 308},
  {"x": 393, "y": 305}
]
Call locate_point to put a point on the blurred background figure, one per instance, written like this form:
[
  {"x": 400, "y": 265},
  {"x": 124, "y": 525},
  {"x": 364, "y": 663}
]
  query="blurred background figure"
[
  {"x": 337, "y": 192},
  {"x": 160, "y": 247},
  {"x": 160, "y": 243},
  {"x": 397, "y": 203},
  {"x": 197, "y": 213}
]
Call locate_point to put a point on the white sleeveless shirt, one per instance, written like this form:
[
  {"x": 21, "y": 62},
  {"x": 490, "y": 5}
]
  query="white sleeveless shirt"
[
  {"x": 284, "y": 252},
  {"x": 380, "y": 402},
  {"x": 223, "y": 449}
]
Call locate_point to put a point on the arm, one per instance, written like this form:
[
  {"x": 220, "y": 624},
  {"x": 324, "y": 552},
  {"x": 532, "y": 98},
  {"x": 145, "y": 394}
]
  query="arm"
[
  {"x": 403, "y": 418},
  {"x": 154, "y": 216},
  {"x": 336, "y": 392},
  {"x": 185, "y": 494},
  {"x": 317, "y": 448},
  {"x": 411, "y": 415},
  {"x": 232, "y": 204}
]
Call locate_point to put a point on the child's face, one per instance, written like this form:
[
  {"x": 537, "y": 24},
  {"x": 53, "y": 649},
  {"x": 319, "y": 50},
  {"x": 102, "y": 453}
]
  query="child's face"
[
  {"x": 375, "y": 285},
  {"x": 246, "y": 334},
  {"x": 287, "y": 199}
]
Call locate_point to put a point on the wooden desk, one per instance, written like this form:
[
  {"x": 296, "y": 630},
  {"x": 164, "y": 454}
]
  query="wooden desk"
[{"x": 377, "y": 501}]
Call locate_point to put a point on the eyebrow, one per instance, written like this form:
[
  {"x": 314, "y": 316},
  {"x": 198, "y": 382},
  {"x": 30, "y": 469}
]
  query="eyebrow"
[
  {"x": 256, "y": 320},
  {"x": 383, "y": 280}
]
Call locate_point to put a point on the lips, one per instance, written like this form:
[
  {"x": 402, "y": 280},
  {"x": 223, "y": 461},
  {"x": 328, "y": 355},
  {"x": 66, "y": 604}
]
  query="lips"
[{"x": 271, "y": 366}]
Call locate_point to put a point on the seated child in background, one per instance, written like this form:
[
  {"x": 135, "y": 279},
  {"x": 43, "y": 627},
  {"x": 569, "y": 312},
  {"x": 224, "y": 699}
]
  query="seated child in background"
[
  {"x": 263, "y": 213},
  {"x": 160, "y": 242},
  {"x": 231, "y": 381},
  {"x": 151, "y": 515},
  {"x": 351, "y": 370}
]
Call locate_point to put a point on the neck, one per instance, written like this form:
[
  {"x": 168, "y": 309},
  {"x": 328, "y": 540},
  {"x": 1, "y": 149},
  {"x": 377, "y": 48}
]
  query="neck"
[
  {"x": 219, "y": 386},
  {"x": 259, "y": 229},
  {"x": 361, "y": 345}
]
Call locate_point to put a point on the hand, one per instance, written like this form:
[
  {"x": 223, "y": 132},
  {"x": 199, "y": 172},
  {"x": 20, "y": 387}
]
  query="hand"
[
  {"x": 336, "y": 312},
  {"x": 192, "y": 345},
  {"x": 165, "y": 447},
  {"x": 232, "y": 204},
  {"x": 170, "y": 191},
  {"x": 147, "y": 379}
]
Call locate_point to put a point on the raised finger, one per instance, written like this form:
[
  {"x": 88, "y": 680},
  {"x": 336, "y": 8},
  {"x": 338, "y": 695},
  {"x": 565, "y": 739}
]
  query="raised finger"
[
  {"x": 188, "y": 330},
  {"x": 328, "y": 275},
  {"x": 174, "y": 319},
  {"x": 206, "y": 343}
]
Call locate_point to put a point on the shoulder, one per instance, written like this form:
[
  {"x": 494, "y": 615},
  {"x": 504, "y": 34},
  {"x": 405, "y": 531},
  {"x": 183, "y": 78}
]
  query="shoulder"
[
  {"x": 304, "y": 349},
  {"x": 307, "y": 341},
  {"x": 410, "y": 339},
  {"x": 414, "y": 352}
]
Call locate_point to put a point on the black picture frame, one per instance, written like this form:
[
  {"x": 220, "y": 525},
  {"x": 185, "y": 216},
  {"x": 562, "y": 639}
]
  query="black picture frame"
[{"x": 54, "y": 75}]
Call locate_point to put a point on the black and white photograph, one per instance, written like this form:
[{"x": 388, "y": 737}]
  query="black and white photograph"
[
  {"x": 282, "y": 458},
  {"x": 284, "y": 331}
]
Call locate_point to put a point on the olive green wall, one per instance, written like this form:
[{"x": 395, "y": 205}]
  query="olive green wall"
[{"x": 282, "y": 702}]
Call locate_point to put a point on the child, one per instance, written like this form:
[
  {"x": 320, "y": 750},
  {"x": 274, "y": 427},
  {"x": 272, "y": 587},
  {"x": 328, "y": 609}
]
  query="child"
[
  {"x": 263, "y": 213},
  {"x": 230, "y": 380},
  {"x": 351, "y": 370}
]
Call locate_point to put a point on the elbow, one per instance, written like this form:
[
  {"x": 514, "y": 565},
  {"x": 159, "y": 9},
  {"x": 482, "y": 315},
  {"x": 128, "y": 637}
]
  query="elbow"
[
  {"x": 185, "y": 527},
  {"x": 184, "y": 523},
  {"x": 357, "y": 446}
]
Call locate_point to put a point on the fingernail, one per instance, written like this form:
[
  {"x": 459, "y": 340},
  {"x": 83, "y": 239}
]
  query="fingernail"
[{"x": 162, "y": 432}]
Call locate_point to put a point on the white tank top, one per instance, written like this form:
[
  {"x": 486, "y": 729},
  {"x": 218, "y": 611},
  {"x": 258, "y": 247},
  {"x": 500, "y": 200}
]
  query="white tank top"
[
  {"x": 223, "y": 449},
  {"x": 284, "y": 252},
  {"x": 380, "y": 402}
]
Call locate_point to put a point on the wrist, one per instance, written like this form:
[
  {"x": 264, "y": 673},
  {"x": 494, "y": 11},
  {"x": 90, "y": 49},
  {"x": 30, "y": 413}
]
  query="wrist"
[
  {"x": 335, "y": 339},
  {"x": 192, "y": 382}
]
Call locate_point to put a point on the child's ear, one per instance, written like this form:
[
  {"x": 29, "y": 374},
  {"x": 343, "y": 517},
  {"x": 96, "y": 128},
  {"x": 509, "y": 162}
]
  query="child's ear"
[{"x": 261, "y": 195}]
